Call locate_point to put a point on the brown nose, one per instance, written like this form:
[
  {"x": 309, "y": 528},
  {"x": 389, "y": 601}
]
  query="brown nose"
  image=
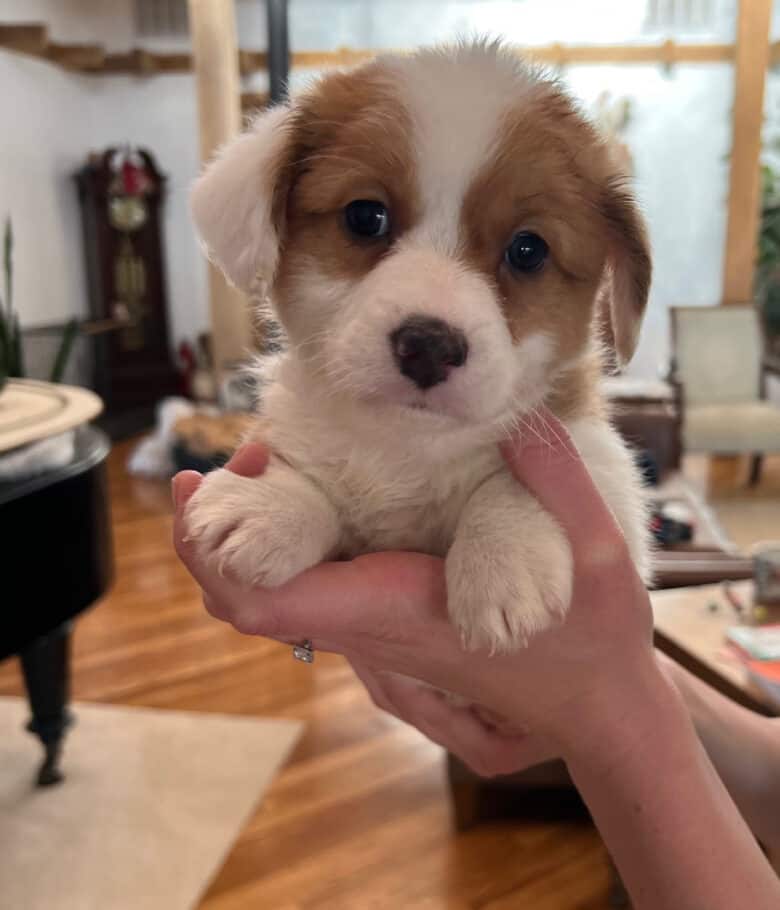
[{"x": 427, "y": 349}]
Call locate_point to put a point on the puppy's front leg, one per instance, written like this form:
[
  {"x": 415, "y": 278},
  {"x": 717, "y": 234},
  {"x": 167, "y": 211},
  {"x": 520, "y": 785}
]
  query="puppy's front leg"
[
  {"x": 509, "y": 570},
  {"x": 262, "y": 530}
]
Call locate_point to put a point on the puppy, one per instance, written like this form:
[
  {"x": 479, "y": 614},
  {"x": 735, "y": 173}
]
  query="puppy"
[{"x": 441, "y": 236}]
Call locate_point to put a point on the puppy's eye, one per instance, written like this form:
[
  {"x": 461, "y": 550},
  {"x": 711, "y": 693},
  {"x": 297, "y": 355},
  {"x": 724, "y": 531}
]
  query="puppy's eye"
[
  {"x": 367, "y": 218},
  {"x": 527, "y": 252}
]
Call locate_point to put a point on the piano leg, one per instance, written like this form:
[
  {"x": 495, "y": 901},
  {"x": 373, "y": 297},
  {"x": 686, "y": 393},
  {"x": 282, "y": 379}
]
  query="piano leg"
[{"x": 46, "y": 668}]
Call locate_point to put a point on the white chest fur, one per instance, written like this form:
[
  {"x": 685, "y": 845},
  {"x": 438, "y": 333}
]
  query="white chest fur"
[
  {"x": 393, "y": 485},
  {"x": 402, "y": 483},
  {"x": 344, "y": 482}
]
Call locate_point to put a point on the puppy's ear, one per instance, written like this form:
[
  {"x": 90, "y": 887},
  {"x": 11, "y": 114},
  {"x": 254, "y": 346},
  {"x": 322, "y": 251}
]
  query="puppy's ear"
[
  {"x": 235, "y": 201},
  {"x": 628, "y": 273}
]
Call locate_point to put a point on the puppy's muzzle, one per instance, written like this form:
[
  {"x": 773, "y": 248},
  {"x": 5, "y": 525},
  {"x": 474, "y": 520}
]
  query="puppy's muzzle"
[{"x": 427, "y": 349}]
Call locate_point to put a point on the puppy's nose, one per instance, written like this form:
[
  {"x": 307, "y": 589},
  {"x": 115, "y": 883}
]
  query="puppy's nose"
[{"x": 427, "y": 349}]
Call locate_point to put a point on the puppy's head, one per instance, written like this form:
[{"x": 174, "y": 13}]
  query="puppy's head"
[{"x": 435, "y": 232}]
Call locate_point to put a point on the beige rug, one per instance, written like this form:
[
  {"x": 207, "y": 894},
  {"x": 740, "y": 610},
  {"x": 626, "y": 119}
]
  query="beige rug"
[{"x": 151, "y": 804}]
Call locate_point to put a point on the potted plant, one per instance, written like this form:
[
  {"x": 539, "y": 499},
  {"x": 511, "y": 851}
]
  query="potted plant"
[
  {"x": 11, "y": 350},
  {"x": 10, "y": 333},
  {"x": 768, "y": 264}
]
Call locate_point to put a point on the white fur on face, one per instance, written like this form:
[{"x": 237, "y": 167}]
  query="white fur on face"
[
  {"x": 344, "y": 326},
  {"x": 342, "y": 329},
  {"x": 455, "y": 125}
]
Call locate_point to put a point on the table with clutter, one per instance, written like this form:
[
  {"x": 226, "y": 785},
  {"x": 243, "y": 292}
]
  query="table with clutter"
[{"x": 692, "y": 625}]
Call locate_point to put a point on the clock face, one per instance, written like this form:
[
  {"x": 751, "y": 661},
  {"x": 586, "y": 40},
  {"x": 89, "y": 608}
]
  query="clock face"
[{"x": 127, "y": 213}]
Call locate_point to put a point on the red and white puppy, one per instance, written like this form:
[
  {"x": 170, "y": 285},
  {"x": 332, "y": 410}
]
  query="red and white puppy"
[{"x": 441, "y": 236}]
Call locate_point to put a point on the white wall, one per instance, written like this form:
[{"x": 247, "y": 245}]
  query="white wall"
[
  {"x": 42, "y": 144},
  {"x": 50, "y": 119},
  {"x": 318, "y": 24},
  {"x": 679, "y": 134}
]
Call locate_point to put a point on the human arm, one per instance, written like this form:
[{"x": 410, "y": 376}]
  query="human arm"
[
  {"x": 589, "y": 690},
  {"x": 743, "y": 746}
]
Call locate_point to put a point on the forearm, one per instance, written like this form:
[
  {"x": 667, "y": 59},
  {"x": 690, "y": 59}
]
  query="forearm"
[
  {"x": 743, "y": 746},
  {"x": 671, "y": 827}
]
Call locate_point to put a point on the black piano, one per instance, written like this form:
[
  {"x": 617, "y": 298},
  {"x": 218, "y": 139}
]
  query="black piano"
[{"x": 57, "y": 560}]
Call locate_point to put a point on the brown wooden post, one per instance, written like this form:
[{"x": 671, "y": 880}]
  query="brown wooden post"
[
  {"x": 751, "y": 63},
  {"x": 215, "y": 58}
]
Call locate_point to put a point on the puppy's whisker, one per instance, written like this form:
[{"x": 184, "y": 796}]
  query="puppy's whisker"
[
  {"x": 531, "y": 429},
  {"x": 549, "y": 427}
]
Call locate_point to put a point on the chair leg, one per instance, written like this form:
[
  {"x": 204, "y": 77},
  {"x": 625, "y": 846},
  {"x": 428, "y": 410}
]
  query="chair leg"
[
  {"x": 756, "y": 463},
  {"x": 46, "y": 669}
]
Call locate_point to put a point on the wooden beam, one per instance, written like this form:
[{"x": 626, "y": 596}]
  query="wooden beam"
[
  {"x": 252, "y": 61},
  {"x": 25, "y": 38},
  {"x": 76, "y": 56},
  {"x": 32, "y": 39},
  {"x": 173, "y": 63},
  {"x": 752, "y": 61},
  {"x": 215, "y": 54},
  {"x": 253, "y": 101},
  {"x": 141, "y": 62},
  {"x": 667, "y": 52}
]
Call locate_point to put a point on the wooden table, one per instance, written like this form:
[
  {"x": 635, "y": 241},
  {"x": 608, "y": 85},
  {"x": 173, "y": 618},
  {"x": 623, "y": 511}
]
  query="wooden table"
[{"x": 694, "y": 635}]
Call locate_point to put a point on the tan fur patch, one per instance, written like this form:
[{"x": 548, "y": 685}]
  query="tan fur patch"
[
  {"x": 531, "y": 184},
  {"x": 550, "y": 174},
  {"x": 351, "y": 142},
  {"x": 576, "y": 392},
  {"x": 630, "y": 267}
]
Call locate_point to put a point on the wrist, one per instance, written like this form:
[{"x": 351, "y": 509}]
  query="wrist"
[
  {"x": 618, "y": 722},
  {"x": 670, "y": 825}
]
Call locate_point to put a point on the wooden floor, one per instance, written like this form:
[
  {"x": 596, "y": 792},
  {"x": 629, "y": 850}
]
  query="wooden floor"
[{"x": 360, "y": 818}]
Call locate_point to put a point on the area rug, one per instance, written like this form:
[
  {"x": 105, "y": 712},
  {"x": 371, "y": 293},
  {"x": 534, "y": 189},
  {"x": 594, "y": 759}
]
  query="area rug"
[{"x": 151, "y": 804}]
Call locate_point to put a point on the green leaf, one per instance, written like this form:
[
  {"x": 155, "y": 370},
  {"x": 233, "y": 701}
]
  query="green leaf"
[
  {"x": 69, "y": 334},
  {"x": 16, "y": 364},
  {"x": 8, "y": 250},
  {"x": 5, "y": 345}
]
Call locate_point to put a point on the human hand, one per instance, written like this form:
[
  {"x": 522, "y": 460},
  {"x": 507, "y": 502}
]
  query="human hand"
[{"x": 386, "y": 613}]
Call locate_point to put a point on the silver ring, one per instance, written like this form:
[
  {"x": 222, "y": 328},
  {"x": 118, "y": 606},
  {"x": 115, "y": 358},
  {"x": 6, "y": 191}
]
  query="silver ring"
[{"x": 304, "y": 652}]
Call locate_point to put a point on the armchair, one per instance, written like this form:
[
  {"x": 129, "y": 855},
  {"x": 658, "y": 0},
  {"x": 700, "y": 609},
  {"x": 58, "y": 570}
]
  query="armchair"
[{"x": 718, "y": 361}]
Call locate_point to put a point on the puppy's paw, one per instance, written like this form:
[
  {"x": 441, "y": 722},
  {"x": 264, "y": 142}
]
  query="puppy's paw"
[
  {"x": 501, "y": 592},
  {"x": 260, "y": 531}
]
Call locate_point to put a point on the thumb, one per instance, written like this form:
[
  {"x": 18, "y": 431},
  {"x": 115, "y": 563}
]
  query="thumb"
[
  {"x": 183, "y": 486},
  {"x": 250, "y": 460},
  {"x": 546, "y": 461}
]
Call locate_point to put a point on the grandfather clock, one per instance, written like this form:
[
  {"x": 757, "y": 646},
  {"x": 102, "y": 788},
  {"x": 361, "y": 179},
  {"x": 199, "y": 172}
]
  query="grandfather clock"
[{"x": 121, "y": 193}]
